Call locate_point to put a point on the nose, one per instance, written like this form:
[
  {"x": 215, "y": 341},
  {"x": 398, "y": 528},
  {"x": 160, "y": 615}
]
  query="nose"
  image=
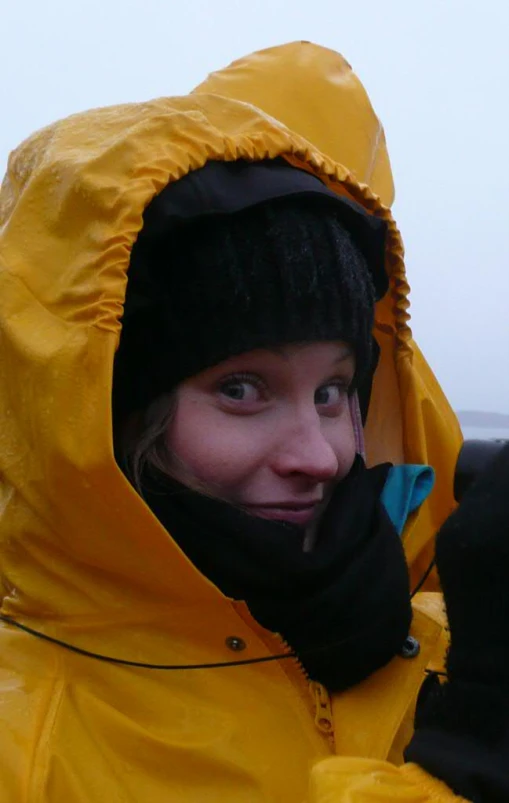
[{"x": 305, "y": 450}]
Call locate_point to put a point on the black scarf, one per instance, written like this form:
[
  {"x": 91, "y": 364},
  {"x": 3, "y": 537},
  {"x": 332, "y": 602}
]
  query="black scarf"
[{"x": 344, "y": 607}]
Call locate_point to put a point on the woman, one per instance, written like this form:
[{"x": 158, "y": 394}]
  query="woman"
[{"x": 223, "y": 611}]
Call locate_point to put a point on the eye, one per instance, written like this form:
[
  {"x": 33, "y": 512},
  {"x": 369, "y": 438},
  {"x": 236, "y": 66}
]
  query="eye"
[
  {"x": 242, "y": 389},
  {"x": 331, "y": 395}
]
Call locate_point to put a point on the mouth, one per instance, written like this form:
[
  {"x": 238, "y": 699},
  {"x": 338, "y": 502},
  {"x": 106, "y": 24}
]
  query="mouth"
[{"x": 291, "y": 512}]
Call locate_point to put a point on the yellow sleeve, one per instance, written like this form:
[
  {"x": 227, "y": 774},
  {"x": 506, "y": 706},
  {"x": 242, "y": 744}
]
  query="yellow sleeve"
[{"x": 363, "y": 780}]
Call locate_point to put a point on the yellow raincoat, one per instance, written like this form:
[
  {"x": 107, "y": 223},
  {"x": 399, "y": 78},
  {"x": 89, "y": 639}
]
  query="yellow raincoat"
[{"x": 82, "y": 559}]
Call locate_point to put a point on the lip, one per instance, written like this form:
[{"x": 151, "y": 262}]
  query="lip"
[{"x": 292, "y": 512}]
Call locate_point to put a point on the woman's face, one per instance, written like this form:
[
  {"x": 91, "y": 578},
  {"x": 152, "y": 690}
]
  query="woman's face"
[{"x": 269, "y": 430}]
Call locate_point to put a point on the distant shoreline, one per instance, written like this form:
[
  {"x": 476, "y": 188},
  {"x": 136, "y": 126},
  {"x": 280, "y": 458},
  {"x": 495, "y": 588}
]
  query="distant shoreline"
[{"x": 478, "y": 418}]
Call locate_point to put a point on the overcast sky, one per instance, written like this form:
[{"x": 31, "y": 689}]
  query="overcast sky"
[{"x": 437, "y": 72}]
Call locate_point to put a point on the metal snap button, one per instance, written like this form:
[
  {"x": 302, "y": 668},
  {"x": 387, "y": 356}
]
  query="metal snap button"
[
  {"x": 235, "y": 643},
  {"x": 411, "y": 648}
]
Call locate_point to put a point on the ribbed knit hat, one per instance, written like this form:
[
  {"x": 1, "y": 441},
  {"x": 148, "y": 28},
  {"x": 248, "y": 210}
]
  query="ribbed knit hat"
[{"x": 291, "y": 262}]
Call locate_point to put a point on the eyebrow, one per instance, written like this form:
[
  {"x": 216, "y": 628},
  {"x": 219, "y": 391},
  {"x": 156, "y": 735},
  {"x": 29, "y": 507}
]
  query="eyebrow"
[{"x": 346, "y": 354}]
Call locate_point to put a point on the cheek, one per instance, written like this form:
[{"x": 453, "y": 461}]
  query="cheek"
[
  {"x": 342, "y": 440},
  {"x": 218, "y": 450}
]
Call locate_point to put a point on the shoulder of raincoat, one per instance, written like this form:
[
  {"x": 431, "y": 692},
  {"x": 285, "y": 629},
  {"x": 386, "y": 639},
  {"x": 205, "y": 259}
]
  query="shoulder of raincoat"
[{"x": 84, "y": 561}]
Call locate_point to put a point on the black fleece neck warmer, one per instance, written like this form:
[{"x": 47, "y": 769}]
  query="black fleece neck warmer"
[{"x": 344, "y": 607}]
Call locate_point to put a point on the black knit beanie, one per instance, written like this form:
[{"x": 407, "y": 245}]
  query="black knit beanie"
[{"x": 236, "y": 268}]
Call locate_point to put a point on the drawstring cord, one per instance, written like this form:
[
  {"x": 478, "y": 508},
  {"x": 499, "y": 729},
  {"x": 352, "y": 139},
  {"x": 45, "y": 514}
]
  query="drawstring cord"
[
  {"x": 140, "y": 664},
  {"x": 172, "y": 667}
]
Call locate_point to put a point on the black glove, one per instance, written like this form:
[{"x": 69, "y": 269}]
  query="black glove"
[{"x": 462, "y": 726}]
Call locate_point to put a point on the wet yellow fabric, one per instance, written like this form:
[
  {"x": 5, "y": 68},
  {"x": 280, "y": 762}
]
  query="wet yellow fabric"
[{"x": 82, "y": 558}]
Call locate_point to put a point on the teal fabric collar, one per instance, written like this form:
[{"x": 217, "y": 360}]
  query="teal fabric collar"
[{"x": 405, "y": 489}]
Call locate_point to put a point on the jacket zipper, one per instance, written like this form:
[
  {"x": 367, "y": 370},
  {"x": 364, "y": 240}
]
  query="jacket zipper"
[
  {"x": 323, "y": 718},
  {"x": 323, "y": 710}
]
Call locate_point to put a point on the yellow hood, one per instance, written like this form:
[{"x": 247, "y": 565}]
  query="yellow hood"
[
  {"x": 314, "y": 92},
  {"x": 75, "y": 538},
  {"x": 81, "y": 556}
]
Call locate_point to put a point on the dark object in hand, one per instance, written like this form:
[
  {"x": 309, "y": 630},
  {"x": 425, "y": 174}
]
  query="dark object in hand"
[{"x": 474, "y": 458}]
